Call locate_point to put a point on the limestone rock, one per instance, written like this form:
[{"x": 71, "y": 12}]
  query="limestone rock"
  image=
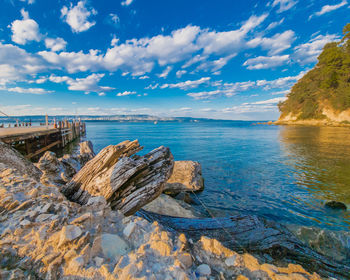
[
  {"x": 166, "y": 205},
  {"x": 126, "y": 183},
  {"x": 86, "y": 152},
  {"x": 13, "y": 159},
  {"x": 113, "y": 246},
  {"x": 203, "y": 270},
  {"x": 186, "y": 176},
  {"x": 69, "y": 233}
]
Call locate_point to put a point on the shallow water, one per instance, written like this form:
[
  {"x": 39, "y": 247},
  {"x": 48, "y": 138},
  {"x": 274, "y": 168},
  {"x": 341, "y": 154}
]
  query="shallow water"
[{"x": 281, "y": 173}]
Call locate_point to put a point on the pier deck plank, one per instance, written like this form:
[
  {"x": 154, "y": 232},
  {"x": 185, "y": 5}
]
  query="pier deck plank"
[{"x": 21, "y": 133}]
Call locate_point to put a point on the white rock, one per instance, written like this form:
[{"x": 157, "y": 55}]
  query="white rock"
[
  {"x": 113, "y": 246},
  {"x": 24, "y": 223},
  {"x": 43, "y": 217},
  {"x": 203, "y": 270},
  {"x": 69, "y": 233},
  {"x": 128, "y": 230},
  {"x": 98, "y": 261},
  {"x": 96, "y": 200},
  {"x": 231, "y": 261}
]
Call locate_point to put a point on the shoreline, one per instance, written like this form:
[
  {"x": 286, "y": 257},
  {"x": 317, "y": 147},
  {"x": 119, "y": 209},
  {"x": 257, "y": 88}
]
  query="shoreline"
[
  {"x": 44, "y": 227},
  {"x": 319, "y": 123}
]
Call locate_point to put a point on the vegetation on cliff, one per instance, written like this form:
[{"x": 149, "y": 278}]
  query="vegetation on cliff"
[{"x": 328, "y": 83}]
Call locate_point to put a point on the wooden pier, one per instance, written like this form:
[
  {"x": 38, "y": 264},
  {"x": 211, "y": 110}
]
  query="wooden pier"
[{"x": 34, "y": 140}]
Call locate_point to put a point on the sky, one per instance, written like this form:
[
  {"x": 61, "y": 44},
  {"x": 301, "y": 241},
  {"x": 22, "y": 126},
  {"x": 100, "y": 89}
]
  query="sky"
[{"x": 216, "y": 59}]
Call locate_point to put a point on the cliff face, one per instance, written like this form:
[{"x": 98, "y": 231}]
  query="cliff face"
[{"x": 323, "y": 94}]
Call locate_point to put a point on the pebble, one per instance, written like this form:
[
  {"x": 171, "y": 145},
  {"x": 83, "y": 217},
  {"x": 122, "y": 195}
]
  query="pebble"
[{"x": 203, "y": 270}]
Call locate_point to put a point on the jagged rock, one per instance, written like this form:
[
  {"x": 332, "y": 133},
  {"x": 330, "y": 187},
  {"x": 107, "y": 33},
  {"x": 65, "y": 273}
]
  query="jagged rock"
[
  {"x": 69, "y": 233},
  {"x": 336, "y": 205},
  {"x": 186, "y": 177},
  {"x": 13, "y": 159},
  {"x": 86, "y": 152},
  {"x": 166, "y": 205},
  {"x": 54, "y": 172},
  {"x": 126, "y": 183}
]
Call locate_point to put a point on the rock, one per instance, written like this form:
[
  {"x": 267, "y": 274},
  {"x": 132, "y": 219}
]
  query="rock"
[
  {"x": 186, "y": 197},
  {"x": 186, "y": 176},
  {"x": 166, "y": 205},
  {"x": 336, "y": 205},
  {"x": 126, "y": 183},
  {"x": 68, "y": 234},
  {"x": 186, "y": 260},
  {"x": 203, "y": 270},
  {"x": 128, "y": 230},
  {"x": 54, "y": 171},
  {"x": 113, "y": 246},
  {"x": 231, "y": 261},
  {"x": 98, "y": 261},
  {"x": 13, "y": 159},
  {"x": 86, "y": 152}
]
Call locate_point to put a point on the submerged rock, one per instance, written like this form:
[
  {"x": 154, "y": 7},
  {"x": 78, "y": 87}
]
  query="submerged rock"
[
  {"x": 186, "y": 177},
  {"x": 336, "y": 205}
]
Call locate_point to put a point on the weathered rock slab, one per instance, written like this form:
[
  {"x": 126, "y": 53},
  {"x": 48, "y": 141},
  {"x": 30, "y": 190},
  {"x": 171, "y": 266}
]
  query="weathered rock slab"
[{"x": 186, "y": 177}]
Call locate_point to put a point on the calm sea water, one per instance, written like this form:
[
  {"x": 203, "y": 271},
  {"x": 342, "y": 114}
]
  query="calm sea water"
[{"x": 281, "y": 173}]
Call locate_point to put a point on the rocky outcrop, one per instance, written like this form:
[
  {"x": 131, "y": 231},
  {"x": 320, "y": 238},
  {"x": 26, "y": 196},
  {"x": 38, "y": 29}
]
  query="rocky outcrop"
[
  {"x": 10, "y": 157},
  {"x": 86, "y": 152},
  {"x": 127, "y": 183},
  {"x": 186, "y": 176}
]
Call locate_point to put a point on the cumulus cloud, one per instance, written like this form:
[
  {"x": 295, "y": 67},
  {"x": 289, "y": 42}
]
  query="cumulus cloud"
[
  {"x": 126, "y": 2},
  {"x": 25, "y": 30},
  {"x": 88, "y": 84},
  {"x": 187, "y": 84},
  {"x": 308, "y": 52},
  {"x": 276, "y": 44},
  {"x": 77, "y": 17},
  {"x": 57, "y": 44},
  {"x": 265, "y": 62},
  {"x": 329, "y": 8},
  {"x": 125, "y": 93},
  {"x": 270, "y": 101},
  {"x": 179, "y": 73},
  {"x": 28, "y": 1},
  {"x": 284, "y": 5},
  {"x": 139, "y": 56}
]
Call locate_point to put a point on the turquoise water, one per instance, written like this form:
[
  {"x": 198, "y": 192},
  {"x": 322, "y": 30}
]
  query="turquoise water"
[{"x": 281, "y": 173}]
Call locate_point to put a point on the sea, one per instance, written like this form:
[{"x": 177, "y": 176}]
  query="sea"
[{"x": 281, "y": 173}]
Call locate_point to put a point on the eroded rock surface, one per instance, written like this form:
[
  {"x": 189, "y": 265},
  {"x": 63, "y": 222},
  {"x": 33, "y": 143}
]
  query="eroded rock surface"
[
  {"x": 45, "y": 236},
  {"x": 186, "y": 177}
]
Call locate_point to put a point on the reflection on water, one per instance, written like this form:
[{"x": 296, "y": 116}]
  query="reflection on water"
[{"x": 320, "y": 157}]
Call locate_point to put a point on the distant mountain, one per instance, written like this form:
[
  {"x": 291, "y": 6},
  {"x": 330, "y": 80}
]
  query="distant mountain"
[{"x": 323, "y": 94}]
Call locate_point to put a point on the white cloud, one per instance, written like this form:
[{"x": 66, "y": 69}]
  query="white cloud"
[
  {"x": 57, "y": 44},
  {"x": 114, "y": 18},
  {"x": 187, "y": 84},
  {"x": 16, "y": 63},
  {"x": 329, "y": 8},
  {"x": 265, "y": 62},
  {"x": 179, "y": 73},
  {"x": 25, "y": 30},
  {"x": 125, "y": 93},
  {"x": 284, "y": 5},
  {"x": 276, "y": 44},
  {"x": 274, "y": 24},
  {"x": 270, "y": 101},
  {"x": 88, "y": 84},
  {"x": 308, "y": 52},
  {"x": 166, "y": 72},
  {"x": 77, "y": 17},
  {"x": 126, "y": 2},
  {"x": 144, "y": 77},
  {"x": 29, "y": 2},
  {"x": 28, "y": 90}
]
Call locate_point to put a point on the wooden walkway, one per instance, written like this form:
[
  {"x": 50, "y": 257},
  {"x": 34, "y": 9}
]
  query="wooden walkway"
[{"x": 34, "y": 140}]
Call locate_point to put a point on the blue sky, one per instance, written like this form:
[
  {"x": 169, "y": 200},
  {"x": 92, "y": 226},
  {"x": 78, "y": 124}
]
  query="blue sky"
[{"x": 217, "y": 59}]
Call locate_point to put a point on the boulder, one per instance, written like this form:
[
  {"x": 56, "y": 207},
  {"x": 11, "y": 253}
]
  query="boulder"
[
  {"x": 186, "y": 177},
  {"x": 126, "y": 183},
  {"x": 113, "y": 246},
  {"x": 86, "y": 152},
  {"x": 336, "y": 205},
  {"x": 13, "y": 159},
  {"x": 166, "y": 205}
]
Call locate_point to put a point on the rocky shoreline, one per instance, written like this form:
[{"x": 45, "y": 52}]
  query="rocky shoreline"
[{"x": 45, "y": 235}]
